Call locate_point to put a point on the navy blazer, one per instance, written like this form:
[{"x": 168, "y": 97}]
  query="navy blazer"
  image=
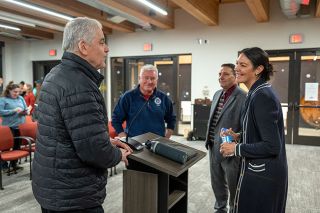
[{"x": 263, "y": 177}]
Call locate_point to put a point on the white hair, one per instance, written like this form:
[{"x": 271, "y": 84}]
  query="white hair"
[
  {"x": 148, "y": 67},
  {"x": 81, "y": 28}
]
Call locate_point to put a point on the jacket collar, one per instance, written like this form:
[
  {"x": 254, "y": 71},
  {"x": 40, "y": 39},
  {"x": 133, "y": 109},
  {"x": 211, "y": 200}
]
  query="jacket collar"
[
  {"x": 256, "y": 84},
  {"x": 84, "y": 67}
]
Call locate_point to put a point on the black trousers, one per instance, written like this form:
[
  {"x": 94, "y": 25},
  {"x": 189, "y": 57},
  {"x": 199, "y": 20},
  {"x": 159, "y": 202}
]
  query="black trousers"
[
  {"x": 97, "y": 209},
  {"x": 17, "y": 143}
]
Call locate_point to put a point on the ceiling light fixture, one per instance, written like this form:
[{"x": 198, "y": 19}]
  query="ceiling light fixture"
[
  {"x": 10, "y": 27},
  {"x": 39, "y": 9},
  {"x": 154, "y": 7},
  {"x": 31, "y": 21},
  {"x": 16, "y": 21}
]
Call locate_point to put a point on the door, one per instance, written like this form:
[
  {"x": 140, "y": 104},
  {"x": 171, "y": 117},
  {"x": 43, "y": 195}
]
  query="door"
[
  {"x": 297, "y": 73},
  {"x": 306, "y": 103},
  {"x": 280, "y": 82},
  {"x": 42, "y": 68}
]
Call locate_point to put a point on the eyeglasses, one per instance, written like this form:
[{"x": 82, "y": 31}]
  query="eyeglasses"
[{"x": 146, "y": 78}]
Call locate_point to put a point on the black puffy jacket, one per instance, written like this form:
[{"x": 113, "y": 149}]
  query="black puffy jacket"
[{"x": 73, "y": 150}]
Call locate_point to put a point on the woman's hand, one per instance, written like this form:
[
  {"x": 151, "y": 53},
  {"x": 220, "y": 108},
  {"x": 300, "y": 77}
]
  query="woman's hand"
[
  {"x": 234, "y": 135},
  {"x": 18, "y": 110},
  {"x": 21, "y": 111},
  {"x": 118, "y": 143},
  {"x": 227, "y": 149}
]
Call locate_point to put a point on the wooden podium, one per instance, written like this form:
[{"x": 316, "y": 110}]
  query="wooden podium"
[{"x": 155, "y": 184}]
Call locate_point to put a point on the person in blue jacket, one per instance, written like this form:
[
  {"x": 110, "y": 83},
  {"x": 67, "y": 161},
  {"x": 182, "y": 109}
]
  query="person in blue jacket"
[
  {"x": 13, "y": 110},
  {"x": 144, "y": 108},
  {"x": 263, "y": 181}
]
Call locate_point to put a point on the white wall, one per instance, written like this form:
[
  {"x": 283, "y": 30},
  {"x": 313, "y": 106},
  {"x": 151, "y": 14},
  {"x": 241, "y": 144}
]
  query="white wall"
[
  {"x": 237, "y": 29},
  {"x": 19, "y": 54}
]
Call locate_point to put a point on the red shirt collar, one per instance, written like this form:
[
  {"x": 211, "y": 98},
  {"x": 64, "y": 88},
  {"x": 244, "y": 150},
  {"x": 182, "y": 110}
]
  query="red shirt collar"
[{"x": 229, "y": 92}]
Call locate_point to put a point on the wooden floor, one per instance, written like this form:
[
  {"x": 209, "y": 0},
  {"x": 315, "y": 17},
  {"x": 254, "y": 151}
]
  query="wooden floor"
[{"x": 303, "y": 194}]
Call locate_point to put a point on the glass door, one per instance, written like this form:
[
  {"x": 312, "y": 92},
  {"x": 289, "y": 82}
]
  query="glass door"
[
  {"x": 296, "y": 80},
  {"x": 280, "y": 82},
  {"x": 307, "y": 101}
]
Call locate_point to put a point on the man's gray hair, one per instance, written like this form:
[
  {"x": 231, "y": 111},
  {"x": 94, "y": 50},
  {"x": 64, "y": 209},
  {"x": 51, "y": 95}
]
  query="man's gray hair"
[
  {"x": 81, "y": 28},
  {"x": 148, "y": 67}
]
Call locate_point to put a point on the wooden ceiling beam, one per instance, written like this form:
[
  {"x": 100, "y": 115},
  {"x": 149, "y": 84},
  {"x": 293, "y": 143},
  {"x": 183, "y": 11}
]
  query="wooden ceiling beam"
[
  {"x": 143, "y": 13},
  {"x": 106, "y": 30},
  {"x": 317, "y": 14},
  {"x": 205, "y": 11},
  {"x": 36, "y": 33},
  {"x": 259, "y": 9},
  {"x": 228, "y": 1},
  {"x": 76, "y": 9}
]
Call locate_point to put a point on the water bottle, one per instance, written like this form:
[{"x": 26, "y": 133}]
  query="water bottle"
[{"x": 225, "y": 138}]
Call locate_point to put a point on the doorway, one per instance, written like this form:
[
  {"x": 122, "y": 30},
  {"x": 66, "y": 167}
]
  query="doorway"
[
  {"x": 296, "y": 80},
  {"x": 42, "y": 68},
  {"x": 174, "y": 80}
]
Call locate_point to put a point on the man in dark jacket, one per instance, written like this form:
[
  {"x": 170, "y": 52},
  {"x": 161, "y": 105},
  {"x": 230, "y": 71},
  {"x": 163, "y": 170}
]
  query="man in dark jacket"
[{"x": 73, "y": 149}]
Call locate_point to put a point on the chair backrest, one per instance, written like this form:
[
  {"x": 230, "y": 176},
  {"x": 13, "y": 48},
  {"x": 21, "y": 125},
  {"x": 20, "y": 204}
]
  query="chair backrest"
[
  {"x": 6, "y": 139},
  {"x": 29, "y": 129}
]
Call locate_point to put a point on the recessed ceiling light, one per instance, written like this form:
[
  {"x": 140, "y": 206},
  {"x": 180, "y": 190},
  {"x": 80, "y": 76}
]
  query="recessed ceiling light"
[
  {"x": 153, "y": 6},
  {"x": 10, "y": 27},
  {"x": 16, "y": 21}
]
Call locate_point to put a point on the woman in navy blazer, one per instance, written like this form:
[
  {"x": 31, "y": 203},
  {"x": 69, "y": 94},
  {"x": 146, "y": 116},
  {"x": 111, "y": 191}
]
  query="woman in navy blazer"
[{"x": 263, "y": 180}]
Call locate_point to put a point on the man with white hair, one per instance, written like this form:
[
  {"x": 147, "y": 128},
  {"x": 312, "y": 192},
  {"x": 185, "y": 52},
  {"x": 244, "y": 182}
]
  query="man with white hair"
[
  {"x": 73, "y": 149},
  {"x": 145, "y": 108}
]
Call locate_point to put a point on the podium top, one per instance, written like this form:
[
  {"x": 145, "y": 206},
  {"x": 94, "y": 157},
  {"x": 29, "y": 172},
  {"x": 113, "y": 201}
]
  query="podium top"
[{"x": 160, "y": 163}]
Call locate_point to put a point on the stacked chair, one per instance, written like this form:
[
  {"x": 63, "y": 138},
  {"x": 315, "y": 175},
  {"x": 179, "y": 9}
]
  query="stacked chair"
[
  {"x": 8, "y": 154},
  {"x": 29, "y": 130}
]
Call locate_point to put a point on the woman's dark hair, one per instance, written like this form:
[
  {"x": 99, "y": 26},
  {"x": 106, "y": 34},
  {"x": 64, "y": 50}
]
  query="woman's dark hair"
[
  {"x": 10, "y": 86},
  {"x": 258, "y": 57}
]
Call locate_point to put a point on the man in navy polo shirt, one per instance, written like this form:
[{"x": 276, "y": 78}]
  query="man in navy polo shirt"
[{"x": 144, "y": 108}]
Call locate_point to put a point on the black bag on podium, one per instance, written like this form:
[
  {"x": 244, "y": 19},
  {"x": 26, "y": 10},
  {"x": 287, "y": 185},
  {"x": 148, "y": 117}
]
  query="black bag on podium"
[{"x": 174, "y": 152}]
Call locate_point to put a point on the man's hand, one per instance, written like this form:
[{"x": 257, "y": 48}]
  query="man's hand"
[
  {"x": 125, "y": 153},
  {"x": 118, "y": 143},
  {"x": 169, "y": 132},
  {"x": 122, "y": 134}
]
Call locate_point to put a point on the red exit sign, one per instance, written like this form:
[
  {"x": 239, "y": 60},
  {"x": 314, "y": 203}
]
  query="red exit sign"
[
  {"x": 296, "y": 38},
  {"x": 147, "y": 47},
  {"x": 52, "y": 52}
]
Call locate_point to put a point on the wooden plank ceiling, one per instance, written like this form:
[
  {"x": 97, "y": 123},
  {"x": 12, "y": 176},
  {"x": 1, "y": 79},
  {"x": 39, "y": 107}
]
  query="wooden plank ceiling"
[{"x": 116, "y": 15}]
